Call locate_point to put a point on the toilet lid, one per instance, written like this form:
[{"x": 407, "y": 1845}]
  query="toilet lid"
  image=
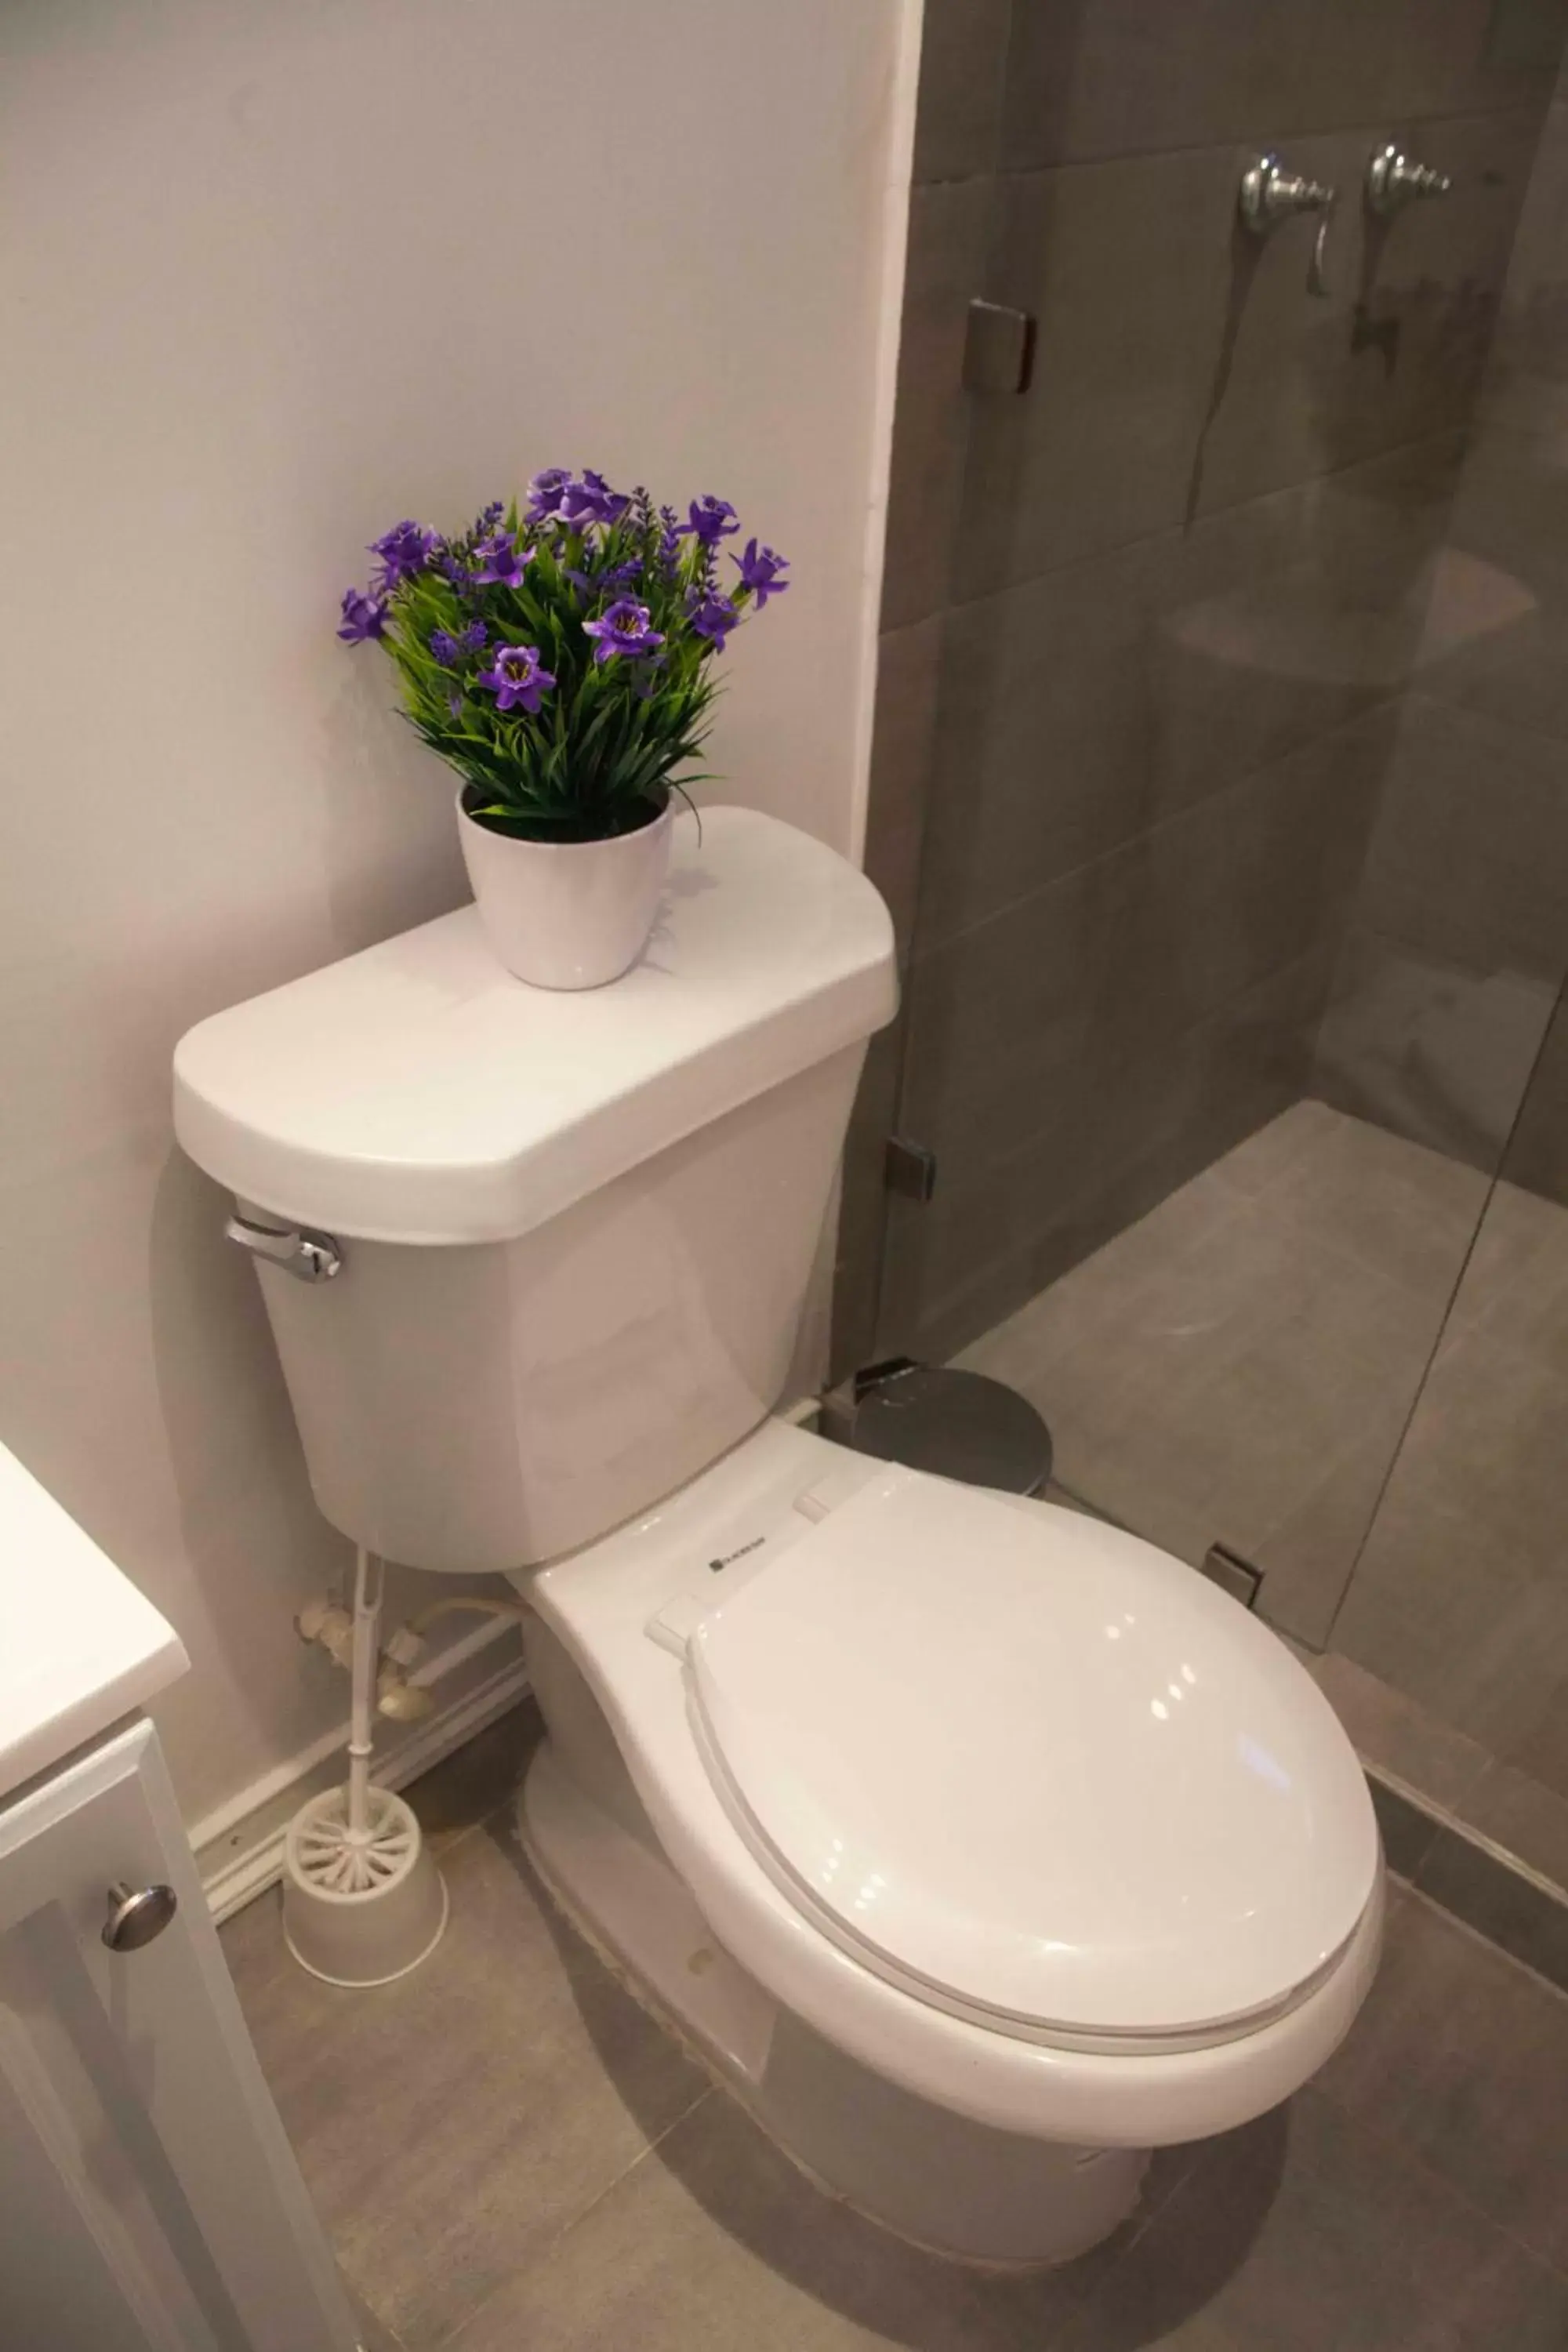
[{"x": 1032, "y": 1768}]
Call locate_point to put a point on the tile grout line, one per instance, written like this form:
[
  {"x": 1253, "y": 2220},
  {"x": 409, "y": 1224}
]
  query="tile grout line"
[
  {"x": 1244, "y": 783},
  {"x": 997, "y": 168},
  {"x": 1300, "y": 489},
  {"x": 548, "y": 2251},
  {"x": 1477, "y": 1934},
  {"x": 1382, "y": 2137}
]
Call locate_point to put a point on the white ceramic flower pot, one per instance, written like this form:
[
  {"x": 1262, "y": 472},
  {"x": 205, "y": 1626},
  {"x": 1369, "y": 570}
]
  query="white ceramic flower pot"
[{"x": 567, "y": 914}]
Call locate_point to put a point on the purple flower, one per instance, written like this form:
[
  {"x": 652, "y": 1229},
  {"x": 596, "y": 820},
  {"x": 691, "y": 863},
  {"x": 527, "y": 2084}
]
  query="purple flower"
[
  {"x": 450, "y": 649},
  {"x": 455, "y": 704},
  {"x": 404, "y": 549},
  {"x": 502, "y": 559},
  {"x": 590, "y": 585},
  {"x": 710, "y": 519},
  {"x": 515, "y": 678},
  {"x": 545, "y": 491},
  {"x": 623, "y": 630},
  {"x": 713, "y": 617},
  {"x": 581, "y": 504},
  {"x": 612, "y": 504},
  {"x": 760, "y": 570},
  {"x": 668, "y": 541},
  {"x": 363, "y": 617}
]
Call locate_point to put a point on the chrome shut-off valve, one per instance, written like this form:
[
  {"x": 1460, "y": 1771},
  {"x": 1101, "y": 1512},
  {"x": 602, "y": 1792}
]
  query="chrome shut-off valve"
[
  {"x": 1270, "y": 195},
  {"x": 1394, "y": 181}
]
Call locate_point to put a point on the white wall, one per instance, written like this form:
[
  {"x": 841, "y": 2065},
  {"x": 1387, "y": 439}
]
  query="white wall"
[{"x": 277, "y": 272}]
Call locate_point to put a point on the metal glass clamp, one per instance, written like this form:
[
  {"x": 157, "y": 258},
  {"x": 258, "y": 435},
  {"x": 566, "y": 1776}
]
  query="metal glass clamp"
[
  {"x": 1269, "y": 195},
  {"x": 299, "y": 1250}
]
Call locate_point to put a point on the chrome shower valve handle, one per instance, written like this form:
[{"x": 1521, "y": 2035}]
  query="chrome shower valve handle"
[
  {"x": 1394, "y": 181},
  {"x": 1270, "y": 195},
  {"x": 1316, "y": 268}
]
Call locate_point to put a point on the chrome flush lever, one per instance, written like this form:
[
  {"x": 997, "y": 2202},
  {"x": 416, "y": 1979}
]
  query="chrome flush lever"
[
  {"x": 299, "y": 1250},
  {"x": 1393, "y": 181},
  {"x": 1270, "y": 195}
]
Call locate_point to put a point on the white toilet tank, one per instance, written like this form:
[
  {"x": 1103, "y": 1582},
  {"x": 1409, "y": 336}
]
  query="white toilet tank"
[{"x": 575, "y": 1231}]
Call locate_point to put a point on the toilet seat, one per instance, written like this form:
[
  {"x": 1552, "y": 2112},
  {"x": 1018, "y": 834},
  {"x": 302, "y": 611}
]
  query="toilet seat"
[
  {"x": 1010, "y": 1762},
  {"x": 625, "y": 1611}
]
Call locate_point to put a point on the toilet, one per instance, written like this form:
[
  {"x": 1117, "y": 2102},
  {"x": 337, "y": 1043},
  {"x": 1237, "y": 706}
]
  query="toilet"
[{"x": 979, "y": 1847}]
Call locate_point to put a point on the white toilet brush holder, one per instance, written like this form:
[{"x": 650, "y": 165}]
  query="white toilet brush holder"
[{"x": 364, "y": 1902}]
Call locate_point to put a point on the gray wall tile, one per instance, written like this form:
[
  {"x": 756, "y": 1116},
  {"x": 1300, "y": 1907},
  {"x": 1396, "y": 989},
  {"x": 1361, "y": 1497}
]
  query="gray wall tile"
[
  {"x": 1371, "y": 58},
  {"x": 1397, "y": 350},
  {"x": 1524, "y": 1817},
  {"x": 949, "y": 227},
  {"x": 1124, "y": 268},
  {"x": 1536, "y": 1740},
  {"x": 1391, "y": 1731},
  {"x": 1110, "y": 963},
  {"x": 903, "y": 753},
  {"x": 1526, "y": 385},
  {"x": 964, "y": 50},
  {"x": 1435, "y": 1052},
  {"x": 1537, "y": 1154},
  {"x": 1503, "y": 1905},
  {"x": 1407, "y": 1830},
  {"x": 1030, "y": 1187},
  {"x": 863, "y": 1203},
  {"x": 1469, "y": 861},
  {"x": 1497, "y": 638},
  {"x": 1097, "y": 78},
  {"x": 1083, "y": 708}
]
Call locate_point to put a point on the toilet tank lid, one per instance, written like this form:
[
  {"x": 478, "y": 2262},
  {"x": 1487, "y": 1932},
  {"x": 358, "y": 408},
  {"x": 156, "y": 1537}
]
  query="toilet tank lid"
[{"x": 417, "y": 1093}]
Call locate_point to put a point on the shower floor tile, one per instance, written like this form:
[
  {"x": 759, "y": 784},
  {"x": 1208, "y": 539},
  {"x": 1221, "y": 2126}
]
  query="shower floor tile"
[
  {"x": 1238, "y": 1366},
  {"x": 509, "y": 2153}
]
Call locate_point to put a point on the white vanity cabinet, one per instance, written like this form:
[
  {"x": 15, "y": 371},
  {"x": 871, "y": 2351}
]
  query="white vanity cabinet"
[{"x": 149, "y": 2200}]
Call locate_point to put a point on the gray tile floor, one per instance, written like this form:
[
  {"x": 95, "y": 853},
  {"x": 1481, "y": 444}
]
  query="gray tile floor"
[
  {"x": 509, "y": 2155},
  {"x": 1241, "y": 1366},
  {"x": 1238, "y": 1366}
]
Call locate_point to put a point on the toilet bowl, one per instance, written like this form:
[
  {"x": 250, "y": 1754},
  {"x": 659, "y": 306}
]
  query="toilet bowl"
[{"x": 979, "y": 1847}]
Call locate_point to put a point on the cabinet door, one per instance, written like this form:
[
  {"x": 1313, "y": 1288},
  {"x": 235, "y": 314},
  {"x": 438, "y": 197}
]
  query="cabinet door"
[{"x": 149, "y": 2200}]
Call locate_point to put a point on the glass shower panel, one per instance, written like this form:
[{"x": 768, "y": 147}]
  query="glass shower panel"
[
  {"x": 1241, "y": 912},
  {"x": 1459, "y": 1598}
]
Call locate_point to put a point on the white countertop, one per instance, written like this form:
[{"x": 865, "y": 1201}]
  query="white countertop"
[{"x": 79, "y": 1647}]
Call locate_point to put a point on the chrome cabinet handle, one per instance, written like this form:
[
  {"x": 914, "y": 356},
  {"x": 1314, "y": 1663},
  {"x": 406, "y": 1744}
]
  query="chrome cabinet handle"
[
  {"x": 1394, "y": 181},
  {"x": 137, "y": 1915},
  {"x": 1269, "y": 195},
  {"x": 299, "y": 1250}
]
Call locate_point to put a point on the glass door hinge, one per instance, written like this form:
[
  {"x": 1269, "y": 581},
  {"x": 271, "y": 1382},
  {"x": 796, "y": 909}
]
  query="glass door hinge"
[
  {"x": 910, "y": 1168},
  {"x": 998, "y": 348},
  {"x": 1233, "y": 1574}
]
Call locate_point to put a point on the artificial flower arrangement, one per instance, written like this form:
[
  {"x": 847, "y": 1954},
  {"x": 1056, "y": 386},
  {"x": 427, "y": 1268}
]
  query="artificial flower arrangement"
[{"x": 560, "y": 659}]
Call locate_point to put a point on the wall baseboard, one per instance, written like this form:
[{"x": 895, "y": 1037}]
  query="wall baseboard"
[{"x": 239, "y": 1851}]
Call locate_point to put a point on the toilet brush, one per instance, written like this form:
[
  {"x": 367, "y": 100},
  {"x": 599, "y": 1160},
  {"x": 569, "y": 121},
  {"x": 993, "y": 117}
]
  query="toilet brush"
[{"x": 363, "y": 1899}]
